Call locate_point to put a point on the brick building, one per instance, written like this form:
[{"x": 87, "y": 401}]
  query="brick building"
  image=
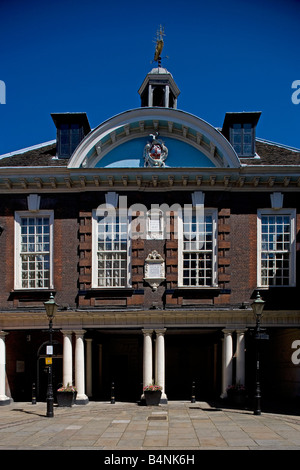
[{"x": 154, "y": 232}]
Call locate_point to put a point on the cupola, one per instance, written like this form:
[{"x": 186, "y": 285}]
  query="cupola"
[{"x": 159, "y": 88}]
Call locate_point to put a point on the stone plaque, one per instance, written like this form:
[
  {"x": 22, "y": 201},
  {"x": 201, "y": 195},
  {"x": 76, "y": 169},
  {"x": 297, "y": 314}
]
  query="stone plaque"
[{"x": 154, "y": 269}]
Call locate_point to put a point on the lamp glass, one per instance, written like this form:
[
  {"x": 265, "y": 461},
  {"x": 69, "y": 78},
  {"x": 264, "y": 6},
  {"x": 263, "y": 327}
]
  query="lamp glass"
[
  {"x": 258, "y": 305},
  {"x": 51, "y": 307}
]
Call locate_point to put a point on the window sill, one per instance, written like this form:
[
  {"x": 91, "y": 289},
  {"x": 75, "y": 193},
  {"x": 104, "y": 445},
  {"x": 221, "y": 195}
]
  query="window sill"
[
  {"x": 30, "y": 298},
  {"x": 108, "y": 292},
  {"x": 18, "y": 293},
  {"x": 209, "y": 288},
  {"x": 292, "y": 286}
]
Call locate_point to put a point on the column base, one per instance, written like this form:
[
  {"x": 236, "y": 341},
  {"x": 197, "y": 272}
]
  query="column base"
[
  {"x": 4, "y": 400},
  {"x": 81, "y": 400}
]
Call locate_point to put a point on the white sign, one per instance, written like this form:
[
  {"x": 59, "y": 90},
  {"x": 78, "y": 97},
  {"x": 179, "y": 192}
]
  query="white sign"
[
  {"x": 49, "y": 350},
  {"x": 154, "y": 270},
  {"x": 154, "y": 225}
]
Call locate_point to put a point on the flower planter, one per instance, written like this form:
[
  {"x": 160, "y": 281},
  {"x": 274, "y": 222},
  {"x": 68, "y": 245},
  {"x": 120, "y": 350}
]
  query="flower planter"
[
  {"x": 237, "y": 397},
  {"x": 66, "y": 398},
  {"x": 152, "y": 398}
]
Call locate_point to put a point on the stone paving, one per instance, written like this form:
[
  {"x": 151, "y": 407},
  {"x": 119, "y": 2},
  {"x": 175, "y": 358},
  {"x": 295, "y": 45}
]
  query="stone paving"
[{"x": 127, "y": 426}]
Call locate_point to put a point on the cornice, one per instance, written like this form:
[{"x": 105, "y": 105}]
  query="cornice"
[
  {"x": 79, "y": 319},
  {"x": 58, "y": 179}
]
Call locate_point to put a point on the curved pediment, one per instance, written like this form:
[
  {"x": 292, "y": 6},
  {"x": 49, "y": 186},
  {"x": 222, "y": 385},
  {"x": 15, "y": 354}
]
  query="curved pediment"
[{"x": 120, "y": 142}]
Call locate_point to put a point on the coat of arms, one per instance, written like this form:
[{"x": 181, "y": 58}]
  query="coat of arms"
[{"x": 155, "y": 152}]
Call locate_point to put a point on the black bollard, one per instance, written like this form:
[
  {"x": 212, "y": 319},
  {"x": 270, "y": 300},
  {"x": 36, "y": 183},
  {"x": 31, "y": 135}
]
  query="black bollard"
[
  {"x": 112, "y": 396},
  {"x": 193, "y": 397},
  {"x": 33, "y": 395}
]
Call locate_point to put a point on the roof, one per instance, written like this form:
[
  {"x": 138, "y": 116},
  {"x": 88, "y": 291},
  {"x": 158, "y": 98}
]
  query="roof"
[
  {"x": 36, "y": 156},
  {"x": 242, "y": 117},
  {"x": 72, "y": 118},
  {"x": 268, "y": 153}
]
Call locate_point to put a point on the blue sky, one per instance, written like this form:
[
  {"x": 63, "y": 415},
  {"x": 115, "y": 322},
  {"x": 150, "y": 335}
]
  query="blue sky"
[{"x": 92, "y": 56}]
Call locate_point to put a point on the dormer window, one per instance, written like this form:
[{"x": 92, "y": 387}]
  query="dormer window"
[
  {"x": 240, "y": 130},
  {"x": 69, "y": 137},
  {"x": 242, "y": 139},
  {"x": 71, "y": 130}
]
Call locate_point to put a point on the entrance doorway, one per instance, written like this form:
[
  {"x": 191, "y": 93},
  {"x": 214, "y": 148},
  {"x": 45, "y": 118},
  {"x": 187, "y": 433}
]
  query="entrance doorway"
[
  {"x": 189, "y": 356},
  {"x": 120, "y": 363},
  {"x": 192, "y": 358}
]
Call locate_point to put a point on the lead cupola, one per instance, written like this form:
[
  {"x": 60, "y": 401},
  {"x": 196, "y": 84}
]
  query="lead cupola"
[{"x": 159, "y": 88}]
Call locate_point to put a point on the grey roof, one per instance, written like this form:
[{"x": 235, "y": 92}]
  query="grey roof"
[
  {"x": 268, "y": 153},
  {"x": 273, "y": 154},
  {"x": 41, "y": 156}
]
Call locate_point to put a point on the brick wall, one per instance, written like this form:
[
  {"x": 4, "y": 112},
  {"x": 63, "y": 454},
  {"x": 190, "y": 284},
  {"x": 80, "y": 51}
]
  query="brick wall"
[{"x": 237, "y": 253}]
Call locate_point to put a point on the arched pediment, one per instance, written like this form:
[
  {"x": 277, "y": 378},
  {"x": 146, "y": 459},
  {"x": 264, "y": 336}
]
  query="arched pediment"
[{"x": 120, "y": 141}]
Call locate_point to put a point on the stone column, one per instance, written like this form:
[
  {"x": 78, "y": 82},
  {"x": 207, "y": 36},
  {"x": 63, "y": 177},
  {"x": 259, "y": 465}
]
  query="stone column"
[
  {"x": 160, "y": 362},
  {"x": 150, "y": 96},
  {"x": 240, "y": 356},
  {"x": 81, "y": 398},
  {"x": 89, "y": 387},
  {"x": 4, "y": 400},
  {"x": 226, "y": 362},
  {"x": 67, "y": 358},
  {"x": 147, "y": 357},
  {"x": 167, "y": 93}
]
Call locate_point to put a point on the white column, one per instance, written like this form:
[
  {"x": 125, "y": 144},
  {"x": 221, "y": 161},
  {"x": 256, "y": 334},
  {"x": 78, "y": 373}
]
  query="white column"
[
  {"x": 4, "y": 400},
  {"x": 67, "y": 358},
  {"x": 226, "y": 361},
  {"x": 167, "y": 93},
  {"x": 240, "y": 356},
  {"x": 147, "y": 357},
  {"x": 89, "y": 367},
  {"x": 150, "y": 96},
  {"x": 160, "y": 361},
  {"x": 81, "y": 398}
]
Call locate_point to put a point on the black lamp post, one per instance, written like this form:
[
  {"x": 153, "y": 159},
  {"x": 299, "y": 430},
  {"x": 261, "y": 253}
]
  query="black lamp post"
[
  {"x": 51, "y": 308},
  {"x": 257, "y": 307}
]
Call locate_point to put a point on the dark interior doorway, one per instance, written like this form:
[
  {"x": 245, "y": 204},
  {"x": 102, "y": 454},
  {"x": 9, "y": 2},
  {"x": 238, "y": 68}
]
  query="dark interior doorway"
[{"x": 193, "y": 358}]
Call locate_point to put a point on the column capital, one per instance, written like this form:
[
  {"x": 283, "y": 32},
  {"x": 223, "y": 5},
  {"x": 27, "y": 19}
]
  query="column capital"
[
  {"x": 241, "y": 331},
  {"x": 66, "y": 332},
  {"x": 3, "y": 334},
  {"x": 147, "y": 331},
  {"x": 160, "y": 331},
  {"x": 79, "y": 333},
  {"x": 227, "y": 331}
]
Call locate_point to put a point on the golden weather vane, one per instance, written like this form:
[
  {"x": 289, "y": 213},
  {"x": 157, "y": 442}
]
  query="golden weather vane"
[{"x": 159, "y": 45}]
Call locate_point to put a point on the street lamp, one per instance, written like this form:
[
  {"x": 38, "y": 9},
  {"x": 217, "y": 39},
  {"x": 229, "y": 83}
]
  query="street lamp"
[
  {"x": 51, "y": 308},
  {"x": 257, "y": 307}
]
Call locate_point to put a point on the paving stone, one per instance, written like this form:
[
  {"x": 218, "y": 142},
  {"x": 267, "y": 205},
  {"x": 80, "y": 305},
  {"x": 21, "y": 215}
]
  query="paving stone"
[{"x": 124, "y": 426}]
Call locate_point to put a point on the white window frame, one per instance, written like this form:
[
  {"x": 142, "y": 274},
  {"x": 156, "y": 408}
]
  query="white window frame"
[
  {"x": 17, "y": 247},
  {"x": 292, "y": 252},
  {"x": 214, "y": 282},
  {"x": 95, "y": 254}
]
